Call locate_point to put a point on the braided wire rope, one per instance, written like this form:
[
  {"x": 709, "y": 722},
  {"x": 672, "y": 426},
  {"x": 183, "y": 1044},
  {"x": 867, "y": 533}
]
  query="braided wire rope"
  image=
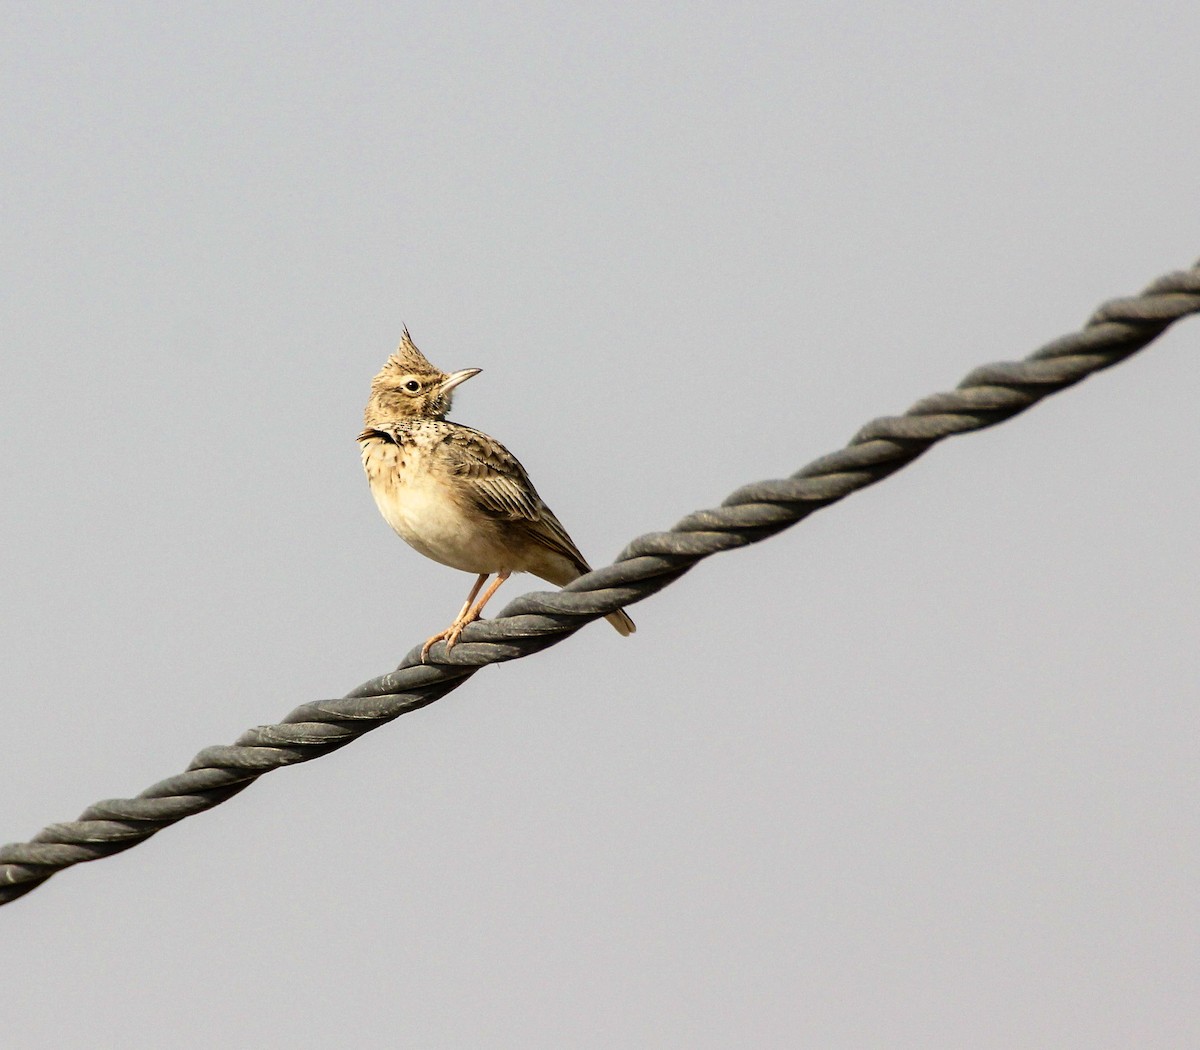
[{"x": 531, "y": 622}]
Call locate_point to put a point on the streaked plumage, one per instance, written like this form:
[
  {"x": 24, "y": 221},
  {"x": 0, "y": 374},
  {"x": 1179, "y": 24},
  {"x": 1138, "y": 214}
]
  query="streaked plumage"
[{"x": 455, "y": 494}]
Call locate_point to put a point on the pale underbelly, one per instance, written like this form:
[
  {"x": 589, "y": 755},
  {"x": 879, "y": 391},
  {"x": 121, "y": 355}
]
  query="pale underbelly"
[{"x": 436, "y": 525}]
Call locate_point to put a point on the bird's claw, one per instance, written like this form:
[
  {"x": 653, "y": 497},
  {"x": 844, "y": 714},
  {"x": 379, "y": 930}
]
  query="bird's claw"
[{"x": 450, "y": 636}]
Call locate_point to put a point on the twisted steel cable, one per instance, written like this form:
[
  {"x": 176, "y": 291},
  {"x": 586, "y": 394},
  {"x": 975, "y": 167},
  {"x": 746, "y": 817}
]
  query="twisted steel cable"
[{"x": 987, "y": 396}]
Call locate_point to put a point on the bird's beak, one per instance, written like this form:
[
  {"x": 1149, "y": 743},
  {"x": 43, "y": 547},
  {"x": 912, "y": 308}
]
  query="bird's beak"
[{"x": 451, "y": 381}]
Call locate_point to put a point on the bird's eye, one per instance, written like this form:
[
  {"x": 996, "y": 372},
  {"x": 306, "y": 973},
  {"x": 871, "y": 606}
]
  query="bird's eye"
[{"x": 412, "y": 386}]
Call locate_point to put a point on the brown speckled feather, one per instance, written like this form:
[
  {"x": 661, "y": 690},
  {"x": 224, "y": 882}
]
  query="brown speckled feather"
[{"x": 499, "y": 486}]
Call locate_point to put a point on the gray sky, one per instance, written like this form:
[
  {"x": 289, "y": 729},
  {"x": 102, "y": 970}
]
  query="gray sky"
[{"x": 917, "y": 773}]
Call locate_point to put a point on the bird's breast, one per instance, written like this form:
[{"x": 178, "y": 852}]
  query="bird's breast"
[{"x": 422, "y": 505}]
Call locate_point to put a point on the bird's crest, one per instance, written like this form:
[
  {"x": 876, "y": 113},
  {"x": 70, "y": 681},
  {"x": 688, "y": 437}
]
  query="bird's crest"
[{"x": 408, "y": 359}]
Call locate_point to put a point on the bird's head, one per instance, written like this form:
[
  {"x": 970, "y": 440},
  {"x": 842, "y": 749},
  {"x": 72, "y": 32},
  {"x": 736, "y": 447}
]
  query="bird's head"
[{"x": 409, "y": 387}]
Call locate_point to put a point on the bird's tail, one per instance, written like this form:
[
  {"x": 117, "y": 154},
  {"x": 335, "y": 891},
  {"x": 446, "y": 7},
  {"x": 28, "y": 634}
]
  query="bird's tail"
[
  {"x": 621, "y": 621},
  {"x": 559, "y": 571}
]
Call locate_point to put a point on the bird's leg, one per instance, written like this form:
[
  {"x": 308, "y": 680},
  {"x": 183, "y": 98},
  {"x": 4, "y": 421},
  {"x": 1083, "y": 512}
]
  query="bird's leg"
[
  {"x": 462, "y": 613},
  {"x": 460, "y": 621},
  {"x": 474, "y": 614},
  {"x": 451, "y": 633}
]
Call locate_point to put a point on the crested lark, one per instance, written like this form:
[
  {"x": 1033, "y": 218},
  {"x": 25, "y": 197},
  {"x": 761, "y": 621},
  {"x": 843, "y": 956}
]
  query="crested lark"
[{"x": 454, "y": 494}]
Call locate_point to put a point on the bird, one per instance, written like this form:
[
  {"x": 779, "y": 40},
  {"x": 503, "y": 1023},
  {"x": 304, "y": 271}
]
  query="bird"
[{"x": 455, "y": 494}]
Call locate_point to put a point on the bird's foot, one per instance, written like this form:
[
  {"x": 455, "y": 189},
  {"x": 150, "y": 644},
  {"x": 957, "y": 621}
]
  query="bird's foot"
[{"x": 450, "y": 636}]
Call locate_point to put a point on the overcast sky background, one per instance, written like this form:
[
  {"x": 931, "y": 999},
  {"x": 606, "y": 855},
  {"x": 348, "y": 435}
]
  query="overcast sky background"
[{"x": 920, "y": 772}]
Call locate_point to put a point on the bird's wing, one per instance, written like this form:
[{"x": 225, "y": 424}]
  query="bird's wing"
[{"x": 499, "y": 486}]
